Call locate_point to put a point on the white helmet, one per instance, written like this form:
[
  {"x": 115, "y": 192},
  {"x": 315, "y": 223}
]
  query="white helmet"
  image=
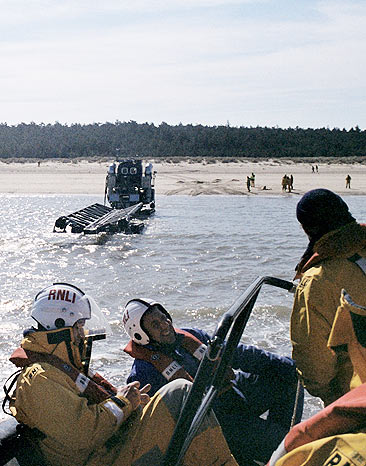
[
  {"x": 62, "y": 305},
  {"x": 132, "y": 315}
]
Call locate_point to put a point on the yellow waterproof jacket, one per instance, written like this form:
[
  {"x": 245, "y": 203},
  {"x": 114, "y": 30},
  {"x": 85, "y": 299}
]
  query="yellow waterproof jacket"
[
  {"x": 324, "y": 373},
  {"x": 341, "y": 450},
  {"x": 78, "y": 432},
  {"x": 349, "y": 329},
  {"x": 47, "y": 399}
]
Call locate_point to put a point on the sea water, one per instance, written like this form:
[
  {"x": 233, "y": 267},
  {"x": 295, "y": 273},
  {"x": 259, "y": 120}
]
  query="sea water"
[{"x": 196, "y": 256}]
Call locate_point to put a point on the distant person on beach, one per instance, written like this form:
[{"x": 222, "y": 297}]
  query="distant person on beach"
[
  {"x": 348, "y": 181},
  {"x": 248, "y": 183},
  {"x": 334, "y": 260},
  {"x": 252, "y": 180},
  {"x": 317, "y": 168},
  {"x": 286, "y": 183},
  {"x": 312, "y": 169},
  {"x": 291, "y": 182},
  {"x": 262, "y": 381}
]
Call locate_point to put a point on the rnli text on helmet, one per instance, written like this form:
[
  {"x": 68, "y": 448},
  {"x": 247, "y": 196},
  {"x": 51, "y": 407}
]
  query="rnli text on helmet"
[{"x": 63, "y": 295}]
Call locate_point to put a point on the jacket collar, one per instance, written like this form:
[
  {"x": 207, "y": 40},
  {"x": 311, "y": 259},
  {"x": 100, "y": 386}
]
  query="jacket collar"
[
  {"x": 343, "y": 242},
  {"x": 53, "y": 342}
]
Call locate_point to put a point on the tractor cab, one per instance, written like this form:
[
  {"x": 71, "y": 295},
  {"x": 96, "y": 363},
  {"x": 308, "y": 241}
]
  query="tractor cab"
[{"x": 129, "y": 183}]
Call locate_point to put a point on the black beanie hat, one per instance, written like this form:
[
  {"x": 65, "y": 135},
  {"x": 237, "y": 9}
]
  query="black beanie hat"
[
  {"x": 323, "y": 209},
  {"x": 320, "y": 211}
]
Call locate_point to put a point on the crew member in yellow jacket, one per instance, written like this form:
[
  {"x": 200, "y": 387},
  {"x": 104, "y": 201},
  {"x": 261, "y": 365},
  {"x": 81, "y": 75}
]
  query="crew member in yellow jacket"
[
  {"x": 334, "y": 259},
  {"x": 81, "y": 419},
  {"x": 336, "y": 434},
  {"x": 333, "y": 436}
]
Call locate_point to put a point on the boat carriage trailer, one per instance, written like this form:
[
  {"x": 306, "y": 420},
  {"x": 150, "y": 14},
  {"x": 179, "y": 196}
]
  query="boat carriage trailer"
[
  {"x": 15, "y": 438},
  {"x": 131, "y": 194}
]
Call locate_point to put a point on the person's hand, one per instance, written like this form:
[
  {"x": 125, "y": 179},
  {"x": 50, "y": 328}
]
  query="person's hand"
[{"x": 135, "y": 395}]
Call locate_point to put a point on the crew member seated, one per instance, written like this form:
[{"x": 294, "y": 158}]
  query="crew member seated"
[
  {"x": 261, "y": 382},
  {"x": 81, "y": 418}
]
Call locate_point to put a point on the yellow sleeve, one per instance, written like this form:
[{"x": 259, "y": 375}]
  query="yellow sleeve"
[
  {"x": 47, "y": 400},
  {"x": 311, "y": 322}
]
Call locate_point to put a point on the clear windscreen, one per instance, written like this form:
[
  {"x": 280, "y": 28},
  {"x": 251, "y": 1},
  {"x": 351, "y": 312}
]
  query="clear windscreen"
[{"x": 97, "y": 324}]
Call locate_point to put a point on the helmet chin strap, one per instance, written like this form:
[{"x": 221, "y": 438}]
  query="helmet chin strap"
[
  {"x": 59, "y": 336},
  {"x": 85, "y": 360}
]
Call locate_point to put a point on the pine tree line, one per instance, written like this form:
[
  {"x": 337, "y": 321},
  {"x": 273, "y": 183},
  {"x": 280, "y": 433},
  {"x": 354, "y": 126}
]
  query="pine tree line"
[{"x": 131, "y": 139}]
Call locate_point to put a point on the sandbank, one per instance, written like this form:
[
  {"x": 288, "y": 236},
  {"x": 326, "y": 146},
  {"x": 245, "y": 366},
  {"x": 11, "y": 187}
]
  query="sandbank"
[{"x": 184, "y": 177}]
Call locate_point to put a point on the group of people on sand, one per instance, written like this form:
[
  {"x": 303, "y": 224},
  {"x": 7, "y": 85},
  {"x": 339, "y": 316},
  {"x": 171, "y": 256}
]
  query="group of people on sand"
[
  {"x": 81, "y": 419},
  {"x": 287, "y": 183}
]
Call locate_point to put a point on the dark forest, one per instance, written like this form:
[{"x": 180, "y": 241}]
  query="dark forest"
[{"x": 142, "y": 140}]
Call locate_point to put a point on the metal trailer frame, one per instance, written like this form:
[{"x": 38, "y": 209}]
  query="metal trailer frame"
[{"x": 97, "y": 218}]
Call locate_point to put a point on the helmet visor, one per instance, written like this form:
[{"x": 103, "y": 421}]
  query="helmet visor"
[{"x": 96, "y": 323}]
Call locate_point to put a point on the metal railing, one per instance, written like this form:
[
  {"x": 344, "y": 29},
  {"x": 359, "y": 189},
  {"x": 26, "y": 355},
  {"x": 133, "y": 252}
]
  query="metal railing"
[{"x": 211, "y": 378}]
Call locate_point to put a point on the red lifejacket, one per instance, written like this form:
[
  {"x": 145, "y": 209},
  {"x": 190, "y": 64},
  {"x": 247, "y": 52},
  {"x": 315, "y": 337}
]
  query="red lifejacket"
[
  {"x": 165, "y": 364},
  {"x": 95, "y": 388},
  {"x": 345, "y": 415}
]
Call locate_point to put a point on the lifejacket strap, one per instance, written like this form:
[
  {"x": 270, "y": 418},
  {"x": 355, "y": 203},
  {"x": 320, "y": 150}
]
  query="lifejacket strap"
[{"x": 360, "y": 261}]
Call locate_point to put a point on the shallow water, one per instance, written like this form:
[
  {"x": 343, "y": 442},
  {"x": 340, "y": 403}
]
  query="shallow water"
[{"x": 196, "y": 256}]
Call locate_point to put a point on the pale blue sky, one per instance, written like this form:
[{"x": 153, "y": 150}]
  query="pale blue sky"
[{"x": 279, "y": 63}]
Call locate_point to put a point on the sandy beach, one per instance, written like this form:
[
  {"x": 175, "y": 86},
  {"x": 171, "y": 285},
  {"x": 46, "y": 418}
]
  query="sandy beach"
[{"x": 83, "y": 177}]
